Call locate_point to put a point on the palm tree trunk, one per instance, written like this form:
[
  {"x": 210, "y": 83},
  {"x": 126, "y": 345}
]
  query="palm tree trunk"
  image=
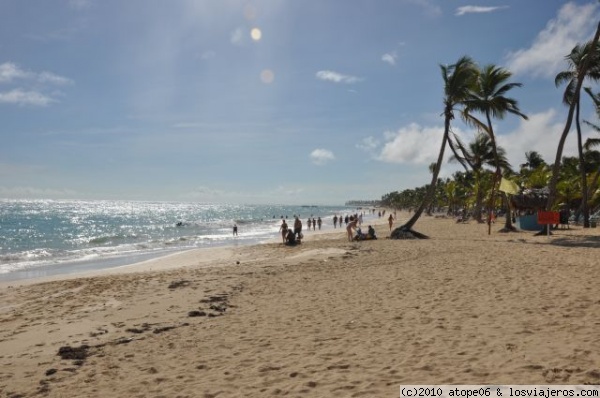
[
  {"x": 594, "y": 184},
  {"x": 496, "y": 174},
  {"x": 508, "y": 226},
  {"x": 584, "y": 195},
  {"x": 478, "y": 197},
  {"x": 561, "y": 144},
  {"x": 430, "y": 190}
]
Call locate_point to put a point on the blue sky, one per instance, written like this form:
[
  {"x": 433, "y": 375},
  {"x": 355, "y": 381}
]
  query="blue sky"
[{"x": 266, "y": 101}]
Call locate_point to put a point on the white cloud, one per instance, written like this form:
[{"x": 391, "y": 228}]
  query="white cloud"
[
  {"x": 415, "y": 144},
  {"x": 10, "y": 72},
  {"x": 412, "y": 144},
  {"x": 321, "y": 156},
  {"x": 390, "y": 57},
  {"x": 369, "y": 144},
  {"x": 49, "y": 77},
  {"x": 477, "y": 9},
  {"x": 545, "y": 57},
  {"x": 336, "y": 77},
  {"x": 540, "y": 133},
  {"x": 20, "y": 97}
]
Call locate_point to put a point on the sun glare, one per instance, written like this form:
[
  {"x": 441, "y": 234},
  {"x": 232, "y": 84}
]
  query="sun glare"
[
  {"x": 256, "y": 34},
  {"x": 267, "y": 76}
]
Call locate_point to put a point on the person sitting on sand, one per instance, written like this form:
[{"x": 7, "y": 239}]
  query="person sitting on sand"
[
  {"x": 371, "y": 233},
  {"x": 284, "y": 230},
  {"x": 359, "y": 235},
  {"x": 350, "y": 227},
  {"x": 368, "y": 236},
  {"x": 290, "y": 238}
]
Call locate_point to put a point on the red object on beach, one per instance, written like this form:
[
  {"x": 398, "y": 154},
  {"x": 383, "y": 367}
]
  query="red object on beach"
[{"x": 548, "y": 217}]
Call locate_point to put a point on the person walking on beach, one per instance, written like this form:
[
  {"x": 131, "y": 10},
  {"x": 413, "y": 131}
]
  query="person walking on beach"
[
  {"x": 351, "y": 227},
  {"x": 235, "y": 230},
  {"x": 391, "y": 221},
  {"x": 335, "y": 221},
  {"x": 284, "y": 230}
]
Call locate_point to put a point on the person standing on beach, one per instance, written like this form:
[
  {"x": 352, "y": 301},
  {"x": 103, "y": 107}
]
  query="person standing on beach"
[
  {"x": 298, "y": 227},
  {"x": 350, "y": 227},
  {"x": 391, "y": 221},
  {"x": 335, "y": 221},
  {"x": 284, "y": 230},
  {"x": 319, "y": 222},
  {"x": 235, "y": 230}
]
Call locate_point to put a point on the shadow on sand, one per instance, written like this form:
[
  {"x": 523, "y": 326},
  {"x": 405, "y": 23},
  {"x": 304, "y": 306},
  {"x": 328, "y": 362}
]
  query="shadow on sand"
[{"x": 578, "y": 241}]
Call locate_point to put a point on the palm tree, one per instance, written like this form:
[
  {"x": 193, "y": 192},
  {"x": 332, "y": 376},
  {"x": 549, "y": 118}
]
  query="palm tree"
[
  {"x": 533, "y": 160},
  {"x": 478, "y": 154},
  {"x": 458, "y": 80},
  {"x": 589, "y": 60},
  {"x": 570, "y": 76},
  {"x": 536, "y": 179},
  {"x": 451, "y": 190},
  {"x": 490, "y": 100},
  {"x": 591, "y": 155}
]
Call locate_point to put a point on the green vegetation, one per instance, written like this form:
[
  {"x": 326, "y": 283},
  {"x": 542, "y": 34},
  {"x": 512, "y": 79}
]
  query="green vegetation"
[{"x": 469, "y": 91}]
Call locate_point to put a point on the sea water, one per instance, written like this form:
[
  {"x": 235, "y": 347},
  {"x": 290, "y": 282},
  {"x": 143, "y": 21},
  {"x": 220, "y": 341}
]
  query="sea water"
[{"x": 46, "y": 237}]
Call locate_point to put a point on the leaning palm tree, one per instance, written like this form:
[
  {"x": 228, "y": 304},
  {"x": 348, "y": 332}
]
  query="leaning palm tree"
[
  {"x": 589, "y": 60},
  {"x": 490, "y": 100},
  {"x": 570, "y": 76},
  {"x": 458, "y": 81}
]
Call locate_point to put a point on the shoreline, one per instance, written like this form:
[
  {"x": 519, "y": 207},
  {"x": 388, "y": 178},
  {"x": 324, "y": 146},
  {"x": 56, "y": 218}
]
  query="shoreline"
[
  {"x": 149, "y": 261},
  {"x": 324, "y": 318},
  {"x": 116, "y": 233}
]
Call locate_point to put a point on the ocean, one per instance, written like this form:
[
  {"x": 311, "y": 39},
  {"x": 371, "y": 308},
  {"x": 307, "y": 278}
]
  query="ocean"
[{"x": 48, "y": 237}]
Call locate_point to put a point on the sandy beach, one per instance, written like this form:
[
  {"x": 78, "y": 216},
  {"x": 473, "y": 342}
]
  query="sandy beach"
[{"x": 328, "y": 318}]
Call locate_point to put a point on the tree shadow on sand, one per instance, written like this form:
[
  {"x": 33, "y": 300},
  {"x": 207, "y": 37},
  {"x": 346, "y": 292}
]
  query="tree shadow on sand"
[{"x": 579, "y": 241}]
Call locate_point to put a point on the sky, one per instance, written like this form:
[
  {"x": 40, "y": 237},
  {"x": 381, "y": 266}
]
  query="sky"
[{"x": 266, "y": 101}]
